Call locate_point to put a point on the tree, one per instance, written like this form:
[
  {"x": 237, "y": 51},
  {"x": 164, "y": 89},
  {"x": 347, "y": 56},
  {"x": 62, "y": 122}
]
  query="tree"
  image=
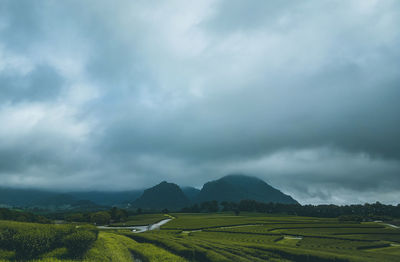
[
  {"x": 118, "y": 215},
  {"x": 209, "y": 206},
  {"x": 100, "y": 218},
  {"x": 77, "y": 217}
]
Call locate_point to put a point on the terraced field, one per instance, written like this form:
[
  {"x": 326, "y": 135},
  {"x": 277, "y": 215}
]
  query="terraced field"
[
  {"x": 256, "y": 237},
  {"x": 248, "y": 237}
]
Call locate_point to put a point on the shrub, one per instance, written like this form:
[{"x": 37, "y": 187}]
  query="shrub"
[
  {"x": 29, "y": 240},
  {"x": 31, "y": 243},
  {"x": 79, "y": 242},
  {"x": 6, "y": 238},
  {"x": 101, "y": 218},
  {"x": 90, "y": 228}
]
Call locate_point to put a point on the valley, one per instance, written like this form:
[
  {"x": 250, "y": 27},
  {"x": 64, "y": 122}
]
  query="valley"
[{"x": 223, "y": 237}]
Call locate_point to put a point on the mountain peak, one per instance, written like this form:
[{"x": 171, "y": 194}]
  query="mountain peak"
[
  {"x": 163, "y": 195},
  {"x": 233, "y": 177},
  {"x": 237, "y": 187}
]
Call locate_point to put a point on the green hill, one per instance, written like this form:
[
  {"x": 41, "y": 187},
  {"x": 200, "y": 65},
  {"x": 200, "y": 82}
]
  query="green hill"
[
  {"x": 163, "y": 195},
  {"x": 234, "y": 188}
]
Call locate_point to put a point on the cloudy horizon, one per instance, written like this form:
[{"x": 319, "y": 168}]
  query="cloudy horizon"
[{"x": 100, "y": 95}]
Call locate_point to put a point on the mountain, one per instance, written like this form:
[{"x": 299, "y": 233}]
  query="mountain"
[
  {"x": 190, "y": 192},
  {"x": 163, "y": 195},
  {"x": 15, "y": 197},
  {"x": 23, "y": 197},
  {"x": 234, "y": 188},
  {"x": 56, "y": 200},
  {"x": 231, "y": 188},
  {"x": 108, "y": 198}
]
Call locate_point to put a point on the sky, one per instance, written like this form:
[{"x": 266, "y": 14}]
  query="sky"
[{"x": 121, "y": 95}]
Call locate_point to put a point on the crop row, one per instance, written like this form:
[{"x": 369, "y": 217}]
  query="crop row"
[
  {"x": 29, "y": 240},
  {"x": 207, "y": 246}
]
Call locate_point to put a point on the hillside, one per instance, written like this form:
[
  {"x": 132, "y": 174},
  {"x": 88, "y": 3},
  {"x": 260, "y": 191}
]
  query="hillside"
[
  {"x": 15, "y": 197},
  {"x": 190, "y": 192},
  {"x": 163, "y": 195},
  {"x": 234, "y": 188},
  {"x": 117, "y": 198}
]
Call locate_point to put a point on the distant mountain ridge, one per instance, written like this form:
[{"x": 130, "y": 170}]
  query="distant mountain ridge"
[
  {"x": 16, "y": 197},
  {"x": 234, "y": 188},
  {"x": 231, "y": 188}
]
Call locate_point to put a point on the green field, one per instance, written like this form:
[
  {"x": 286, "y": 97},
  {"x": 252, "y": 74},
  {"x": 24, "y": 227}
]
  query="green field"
[
  {"x": 141, "y": 220},
  {"x": 221, "y": 237}
]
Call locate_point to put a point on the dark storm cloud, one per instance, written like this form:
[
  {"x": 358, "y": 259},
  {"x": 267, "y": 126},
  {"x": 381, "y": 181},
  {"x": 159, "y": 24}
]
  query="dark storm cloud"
[{"x": 304, "y": 95}]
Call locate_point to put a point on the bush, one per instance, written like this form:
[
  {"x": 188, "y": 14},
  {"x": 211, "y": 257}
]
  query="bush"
[
  {"x": 31, "y": 243},
  {"x": 6, "y": 238},
  {"x": 29, "y": 240},
  {"x": 90, "y": 228},
  {"x": 79, "y": 242},
  {"x": 100, "y": 218},
  {"x": 354, "y": 218}
]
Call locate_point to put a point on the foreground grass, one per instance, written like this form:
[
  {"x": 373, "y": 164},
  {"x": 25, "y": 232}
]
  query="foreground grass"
[
  {"x": 108, "y": 247},
  {"x": 115, "y": 247}
]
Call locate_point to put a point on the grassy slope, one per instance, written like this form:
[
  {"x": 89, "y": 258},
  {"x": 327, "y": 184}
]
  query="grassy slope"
[
  {"x": 114, "y": 247},
  {"x": 108, "y": 247}
]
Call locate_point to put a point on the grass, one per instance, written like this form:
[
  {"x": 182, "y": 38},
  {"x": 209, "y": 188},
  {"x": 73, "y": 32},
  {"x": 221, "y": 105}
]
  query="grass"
[
  {"x": 249, "y": 237},
  {"x": 115, "y": 247},
  {"x": 141, "y": 220},
  {"x": 204, "y": 221},
  {"x": 259, "y": 236}
]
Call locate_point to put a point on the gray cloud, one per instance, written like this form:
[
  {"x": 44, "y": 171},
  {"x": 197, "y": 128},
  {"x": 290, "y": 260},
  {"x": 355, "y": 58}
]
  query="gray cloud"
[
  {"x": 304, "y": 95},
  {"x": 42, "y": 83}
]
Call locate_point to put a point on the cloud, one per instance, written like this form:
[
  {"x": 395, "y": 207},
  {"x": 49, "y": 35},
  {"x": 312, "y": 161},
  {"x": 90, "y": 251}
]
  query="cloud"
[
  {"x": 119, "y": 96},
  {"x": 42, "y": 83}
]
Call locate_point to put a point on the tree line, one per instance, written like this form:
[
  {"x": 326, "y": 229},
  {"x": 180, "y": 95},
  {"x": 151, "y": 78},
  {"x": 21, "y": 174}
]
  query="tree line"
[
  {"x": 114, "y": 215},
  {"x": 375, "y": 211},
  {"x": 15, "y": 215}
]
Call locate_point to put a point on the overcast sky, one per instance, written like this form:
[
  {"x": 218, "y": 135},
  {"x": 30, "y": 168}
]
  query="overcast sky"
[{"x": 118, "y": 95}]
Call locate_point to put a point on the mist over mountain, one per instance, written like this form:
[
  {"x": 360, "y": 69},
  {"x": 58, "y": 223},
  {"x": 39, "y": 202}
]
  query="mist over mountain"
[
  {"x": 23, "y": 197},
  {"x": 190, "y": 192},
  {"x": 234, "y": 188},
  {"x": 43, "y": 198},
  {"x": 108, "y": 198}
]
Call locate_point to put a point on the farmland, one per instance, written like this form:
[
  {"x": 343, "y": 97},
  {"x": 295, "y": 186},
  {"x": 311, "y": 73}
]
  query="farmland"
[
  {"x": 141, "y": 220},
  {"x": 213, "y": 237}
]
